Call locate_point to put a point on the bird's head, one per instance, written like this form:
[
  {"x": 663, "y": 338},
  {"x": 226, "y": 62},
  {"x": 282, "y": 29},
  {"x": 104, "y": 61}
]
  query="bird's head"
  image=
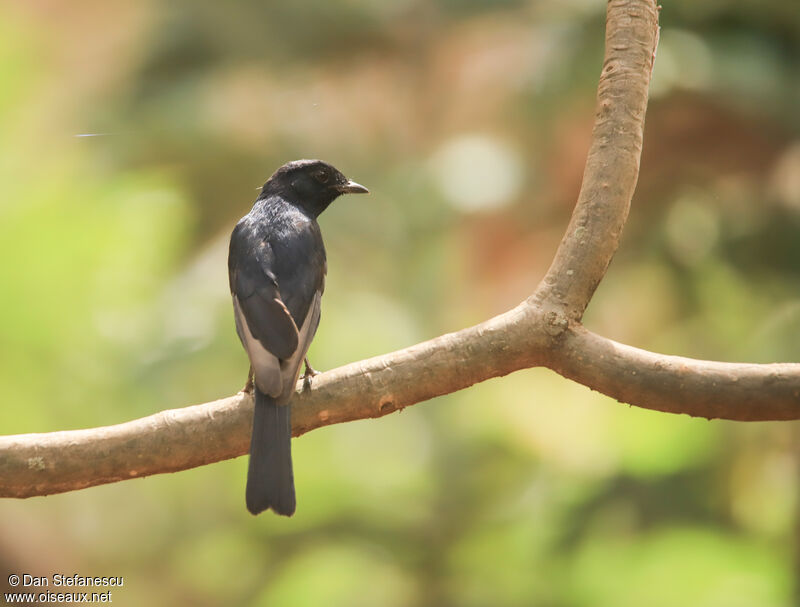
[{"x": 310, "y": 184}]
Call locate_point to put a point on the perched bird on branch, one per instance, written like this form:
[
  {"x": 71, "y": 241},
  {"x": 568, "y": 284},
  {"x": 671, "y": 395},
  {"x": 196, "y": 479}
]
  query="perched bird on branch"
[{"x": 277, "y": 266}]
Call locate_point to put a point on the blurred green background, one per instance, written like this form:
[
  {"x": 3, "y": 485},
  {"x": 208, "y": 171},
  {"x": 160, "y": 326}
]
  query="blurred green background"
[{"x": 135, "y": 134}]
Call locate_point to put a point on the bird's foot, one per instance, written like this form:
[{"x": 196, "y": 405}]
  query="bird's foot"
[
  {"x": 248, "y": 387},
  {"x": 310, "y": 373}
]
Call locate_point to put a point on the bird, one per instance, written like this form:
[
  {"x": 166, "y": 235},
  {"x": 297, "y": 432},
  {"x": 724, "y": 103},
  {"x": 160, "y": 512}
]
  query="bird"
[{"x": 276, "y": 268}]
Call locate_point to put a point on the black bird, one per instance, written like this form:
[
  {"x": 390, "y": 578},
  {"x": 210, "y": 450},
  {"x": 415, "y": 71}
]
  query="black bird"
[{"x": 276, "y": 267}]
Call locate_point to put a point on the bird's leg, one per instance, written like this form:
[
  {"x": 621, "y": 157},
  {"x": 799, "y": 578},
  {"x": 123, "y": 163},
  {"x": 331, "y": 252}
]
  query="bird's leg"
[
  {"x": 310, "y": 372},
  {"x": 248, "y": 387}
]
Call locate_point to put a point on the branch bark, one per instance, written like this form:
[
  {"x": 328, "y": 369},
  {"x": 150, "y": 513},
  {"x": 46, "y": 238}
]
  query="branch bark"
[
  {"x": 612, "y": 166},
  {"x": 544, "y": 330}
]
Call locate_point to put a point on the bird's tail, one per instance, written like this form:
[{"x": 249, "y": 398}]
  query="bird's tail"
[{"x": 270, "y": 480}]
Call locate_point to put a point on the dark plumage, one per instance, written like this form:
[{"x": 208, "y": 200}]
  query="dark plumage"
[{"x": 277, "y": 267}]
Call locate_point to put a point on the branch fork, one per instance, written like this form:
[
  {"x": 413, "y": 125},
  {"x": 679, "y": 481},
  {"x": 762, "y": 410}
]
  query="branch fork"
[{"x": 545, "y": 330}]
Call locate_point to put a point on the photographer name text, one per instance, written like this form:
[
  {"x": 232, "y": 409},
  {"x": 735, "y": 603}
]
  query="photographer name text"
[{"x": 59, "y": 580}]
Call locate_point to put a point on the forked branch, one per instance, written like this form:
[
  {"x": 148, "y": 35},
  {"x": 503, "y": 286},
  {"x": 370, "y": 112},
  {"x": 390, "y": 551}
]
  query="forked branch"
[{"x": 544, "y": 330}]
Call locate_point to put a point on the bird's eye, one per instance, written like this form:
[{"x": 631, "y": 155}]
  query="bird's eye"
[{"x": 322, "y": 176}]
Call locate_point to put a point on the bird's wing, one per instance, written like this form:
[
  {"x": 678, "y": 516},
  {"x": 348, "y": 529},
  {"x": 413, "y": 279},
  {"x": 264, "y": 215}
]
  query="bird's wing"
[
  {"x": 263, "y": 322},
  {"x": 266, "y": 314}
]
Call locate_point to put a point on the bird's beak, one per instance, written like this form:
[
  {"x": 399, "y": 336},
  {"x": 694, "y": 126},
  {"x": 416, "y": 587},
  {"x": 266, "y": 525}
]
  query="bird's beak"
[{"x": 351, "y": 187}]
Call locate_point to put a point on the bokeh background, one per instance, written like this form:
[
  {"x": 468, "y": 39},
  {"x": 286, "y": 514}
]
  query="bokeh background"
[{"x": 135, "y": 134}]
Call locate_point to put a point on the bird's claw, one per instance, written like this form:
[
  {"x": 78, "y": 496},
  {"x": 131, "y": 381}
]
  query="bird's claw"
[
  {"x": 310, "y": 371},
  {"x": 309, "y": 374},
  {"x": 248, "y": 387}
]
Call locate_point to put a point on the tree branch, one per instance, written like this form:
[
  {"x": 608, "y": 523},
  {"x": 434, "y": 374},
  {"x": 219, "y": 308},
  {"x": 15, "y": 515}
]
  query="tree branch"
[
  {"x": 612, "y": 166},
  {"x": 545, "y": 330},
  {"x": 674, "y": 384}
]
